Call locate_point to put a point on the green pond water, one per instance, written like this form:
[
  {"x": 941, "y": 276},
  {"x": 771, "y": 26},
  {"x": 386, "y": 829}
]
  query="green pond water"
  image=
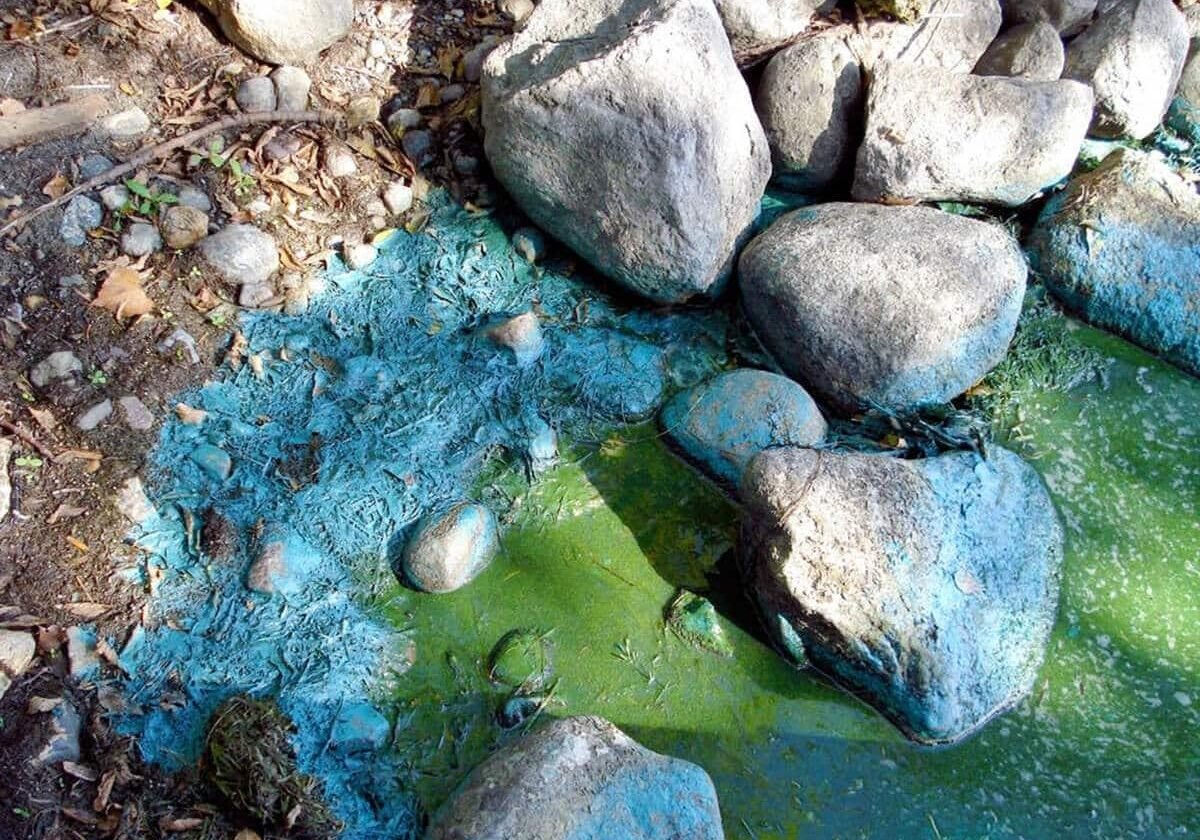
[{"x": 1107, "y": 745}]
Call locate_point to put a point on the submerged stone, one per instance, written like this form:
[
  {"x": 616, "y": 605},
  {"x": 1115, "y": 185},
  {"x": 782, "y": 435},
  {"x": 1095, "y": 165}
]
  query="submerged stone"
[
  {"x": 580, "y": 779},
  {"x": 694, "y": 619},
  {"x": 359, "y": 727},
  {"x": 1121, "y": 246},
  {"x": 722, "y": 424},
  {"x": 522, "y": 659},
  {"x": 620, "y": 377},
  {"x": 927, "y": 588},
  {"x": 449, "y": 551}
]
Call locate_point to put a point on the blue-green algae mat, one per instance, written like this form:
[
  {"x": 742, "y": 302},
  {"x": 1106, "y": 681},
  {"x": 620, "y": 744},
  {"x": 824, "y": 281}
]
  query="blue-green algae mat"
[{"x": 385, "y": 401}]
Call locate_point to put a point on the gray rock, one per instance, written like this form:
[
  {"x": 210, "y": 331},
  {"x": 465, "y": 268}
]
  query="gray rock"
[
  {"x": 926, "y": 588},
  {"x": 1121, "y": 246},
  {"x": 183, "y": 226},
  {"x": 82, "y": 214},
  {"x": 403, "y": 119},
  {"x": 276, "y": 35},
  {"x": 180, "y": 343},
  {"x": 580, "y": 777},
  {"x": 114, "y": 197},
  {"x": 125, "y": 125},
  {"x": 449, "y": 550},
  {"x": 137, "y": 416},
  {"x": 93, "y": 166},
  {"x": 59, "y": 365},
  {"x": 256, "y": 94},
  {"x": 473, "y": 60},
  {"x": 933, "y": 135},
  {"x": 419, "y": 146},
  {"x": 213, "y": 460},
  {"x": 17, "y": 649},
  {"x": 190, "y": 196},
  {"x": 292, "y": 86},
  {"x": 241, "y": 254},
  {"x": 132, "y": 502},
  {"x": 451, "y": 93},
  {"x": 653, "y": 174},
  {"x": 398, "y": 197},
  {"x": 81, "y": 652},
  {"x": 361, "y": 255},
  {"x": 1068, "y": 17},
  {"x": 1132, "y": 56},
  {"x": 256, "y": 295},
  {"x": 1027, "y": 51},
  {"x": 63, "y": 743},
  {"x": 810, "y": 101},
  {"x": 755, "y": 26},
  {"x": 282, "y": 146},
  {"x": 339, "y": 160},
  {"x": 140, "y": 239},
  {"x": 722, "y": 424},
  {"x": 895, "y": 306},
  {"x": 952, "y": 35},
  {"x": 284, "y": 564},
  {"x": 94, "y": 416}
]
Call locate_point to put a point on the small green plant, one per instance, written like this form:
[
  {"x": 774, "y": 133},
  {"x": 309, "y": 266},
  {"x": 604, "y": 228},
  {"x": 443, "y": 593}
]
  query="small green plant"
[
  {"x": 98, "y": 377},
  {"x": 28, "y": 462},
  {"x": 145, "y": 201},
  {"x": 240, "y": 180}
]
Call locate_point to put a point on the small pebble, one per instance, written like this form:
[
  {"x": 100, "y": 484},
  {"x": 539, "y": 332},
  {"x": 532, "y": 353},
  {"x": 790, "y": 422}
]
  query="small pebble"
[
  {"x": 362, "y": 110},
  {"x": 339, "y": 161},
  {"x": 361, "y": 256},
  {"x": 398, "y": 197},
  {"x": 61, "y": 364},
  {"x": 451, "y": 93},
  {"x": 94, "y": 166},
  {"x": 418, "y": 146},
  {"x": 473, "y": 60},
  {"x": 377, "y": 48},
  {"x": 256, "y": 94},
  {"x": 518, "y": 10},
  {"x": 126, "y": 125},
  {"x": 183, "y": 227},
  {"x": 254, "y": 295},
  {"x": 529, "y": 243},
  {"x": 292, "y": 86},
  {"x": 180, "y": 343},
  {"x": 466, "y": 164},
  {"x": 82, "y": 214},
  {"x": 114, "y": 197},
  {"x": 241, "y": 254},
  {"x": 404, "y": 119},
  {"x": 190, "y": 196},
  {"x": 140, "y": 239},
  {"x": 137, "y": 416},
  {"x": 94, "y": 416},
  {"x": 213, "y": 460},
  {"x": 282, "y": 146}
]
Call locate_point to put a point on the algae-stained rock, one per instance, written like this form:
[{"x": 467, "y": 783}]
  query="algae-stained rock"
[
  {"x": 694, "y": 619},
  {"x": 902, "y": 10},
  {"x": 810, "y": 102},
  {"x": 755, "y": 26},
  {"x": 450, "y": 550},
  {"x": 279, "y": 33},
  {"x": 1121, "y": 246},
  {"x": 934, "y": 135},
  {"x": 616, "y": 375},
  {"x": 723, "y": 423},
  {"x": 896, "y": 306},
  {"x": 927, "y": 588},
  {"x": 522, "y": 659},
  {"x": 1027, "y": 51},
  {"x": 1069, "y": 17},
  {"x": 580, "y": 778},
  {"x": 284, "y": 564},
  {"x": 625, "y": 130},
  {"x": 1132, "y": 56}
]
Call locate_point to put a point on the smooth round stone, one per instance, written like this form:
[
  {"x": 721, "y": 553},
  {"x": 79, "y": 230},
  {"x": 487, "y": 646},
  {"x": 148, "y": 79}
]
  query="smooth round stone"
[
  {"x": 449, "y": 551},
  {"x": 722, "y": 424}
]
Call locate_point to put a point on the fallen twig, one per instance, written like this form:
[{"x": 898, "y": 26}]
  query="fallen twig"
[
  {"x": 166, "y": 147},
  {"x": 28, "y": 438}
]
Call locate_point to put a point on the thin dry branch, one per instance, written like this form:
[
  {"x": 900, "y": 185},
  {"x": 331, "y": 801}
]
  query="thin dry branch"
[{"x": 161, "y": 150}]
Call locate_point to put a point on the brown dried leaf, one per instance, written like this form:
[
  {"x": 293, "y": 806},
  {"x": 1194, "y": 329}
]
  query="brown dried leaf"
[
  {"x": 87, "y": 610},
  {"x": 104, "y": 791},
  {"x": 45, "y": 418},
  {"x": 65, "y": 511},
  {"x": 123, "y": 295},
  {"x": 80, "y": 816},
  {"x": 181, "y": 823},
  {"x": 57, "y": 186},
  {"x": 427, "y": 96}
]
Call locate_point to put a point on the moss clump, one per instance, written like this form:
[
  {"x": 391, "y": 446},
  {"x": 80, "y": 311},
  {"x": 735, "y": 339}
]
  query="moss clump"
[
  {"x": 694, "y": 620},
  {"x": 905, "y": 11},
  {"x": 248, "y": 759}
]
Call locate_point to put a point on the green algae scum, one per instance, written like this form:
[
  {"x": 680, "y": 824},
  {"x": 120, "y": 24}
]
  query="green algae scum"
[
  {"x": 614, "y": 592},
  {"x": 598, "y": 548}
]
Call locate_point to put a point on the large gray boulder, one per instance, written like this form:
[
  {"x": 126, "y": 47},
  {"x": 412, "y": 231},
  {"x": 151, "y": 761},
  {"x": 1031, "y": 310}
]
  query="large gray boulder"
[
  {"x": 626, "y": 131},
  {"x": 580, "y": 778},
  {"x": 810, "y": 98},
  {"x": 933, "y": 135},
  {"x": 1132, "y": 56},
  {"x": 810, "y": 101},
  {"x": 926, "y": 588},
  {"x": 895, "y": 306},
  {"x": 1027, "y": 51},
  {"x": 283, "y": 33},
  {"x": 1121, "y": 246},
  {"x": 755, "y": 26},
  {"x": 1069, "y": 17}
]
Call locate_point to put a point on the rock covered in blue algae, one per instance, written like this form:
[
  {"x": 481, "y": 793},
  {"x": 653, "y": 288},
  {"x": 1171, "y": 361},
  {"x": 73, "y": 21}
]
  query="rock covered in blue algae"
[
  {"x": 893, "y": 306},
  {"x": 451, "y": 549},
  {"x": 1121, "y": 246},
  {"x": 213, "y": 460},
  {"x": 358, "y": 727},
  {"x": 522, "y": 335},
  {"x": 1132, "y": 56},
  {"x": 624, "y": 129},
  {"x": 580, "y": 778},
  {"x": 284, "y": 563},
  {"x": 924, "y": 129},
  {"x": 926, "y": 588},
  {"x": 618, "y": 376},
  {"x": 722, "y": 424}
]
